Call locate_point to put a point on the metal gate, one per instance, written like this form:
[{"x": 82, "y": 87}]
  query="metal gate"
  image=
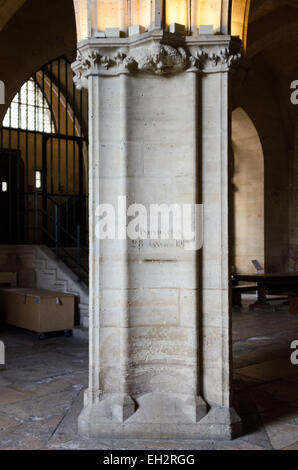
[{"x": 43, "y": 140}]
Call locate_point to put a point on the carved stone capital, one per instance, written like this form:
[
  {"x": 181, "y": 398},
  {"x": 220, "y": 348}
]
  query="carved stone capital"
[
  {"x": 222, "y": 60},
  {"x": 157, "y": 59},
  {"x": 161, "y": 59},
  {"x": 151, "y": 56}
]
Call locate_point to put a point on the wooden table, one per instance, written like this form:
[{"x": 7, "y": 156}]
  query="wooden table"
[{"x": 271, "y": 284}]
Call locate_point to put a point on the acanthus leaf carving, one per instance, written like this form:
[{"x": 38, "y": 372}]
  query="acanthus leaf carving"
[
  {"x": 206, "y": 60},
  {"x": 159, "y": 59}
]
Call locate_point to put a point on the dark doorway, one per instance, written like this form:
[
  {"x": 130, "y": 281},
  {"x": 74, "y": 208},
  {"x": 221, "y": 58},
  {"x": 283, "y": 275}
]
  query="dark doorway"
[
  {"x": 63, "y": 191},
  {"x": 11, "y": 197}
]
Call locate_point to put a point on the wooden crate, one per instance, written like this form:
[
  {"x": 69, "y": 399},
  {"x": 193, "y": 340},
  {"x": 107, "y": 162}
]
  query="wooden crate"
[{"x": 37, "y": 310}]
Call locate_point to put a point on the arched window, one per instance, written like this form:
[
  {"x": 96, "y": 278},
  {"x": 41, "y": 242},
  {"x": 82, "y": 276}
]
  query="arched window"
[{"x": 29, "y": 110}]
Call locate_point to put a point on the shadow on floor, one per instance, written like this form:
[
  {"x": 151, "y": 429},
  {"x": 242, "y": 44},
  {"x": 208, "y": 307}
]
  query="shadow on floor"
[{"x": 265, "y": 382}]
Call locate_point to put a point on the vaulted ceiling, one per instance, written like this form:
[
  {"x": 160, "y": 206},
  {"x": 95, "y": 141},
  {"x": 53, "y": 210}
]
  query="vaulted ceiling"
[
  {"x": 7, "y": 9},
  {"x": 32, "y": 33},
  {"x": 272, "y": 41},
  {"x": 261, "y": 8},
  {"x": 271, "y": 67}
]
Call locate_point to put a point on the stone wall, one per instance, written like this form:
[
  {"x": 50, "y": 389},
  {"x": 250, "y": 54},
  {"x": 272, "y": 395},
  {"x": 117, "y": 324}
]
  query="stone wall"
[{"x": 248, "y": 194}]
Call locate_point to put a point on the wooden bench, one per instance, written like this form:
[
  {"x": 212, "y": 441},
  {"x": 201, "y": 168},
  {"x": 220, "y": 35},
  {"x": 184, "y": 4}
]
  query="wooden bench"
[
  {"x": 238, "y": 290},
  {"x": 293, "y": 302},
  {"x": 271, "y": 284}
]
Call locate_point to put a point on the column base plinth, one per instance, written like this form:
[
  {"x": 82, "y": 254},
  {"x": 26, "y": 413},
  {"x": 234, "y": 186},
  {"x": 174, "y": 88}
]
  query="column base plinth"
[{"x": 158, "y": 416}]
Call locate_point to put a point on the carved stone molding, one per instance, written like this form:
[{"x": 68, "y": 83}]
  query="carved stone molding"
[
  {"x": 155, "y": 58},
  {"x": 161, "y": 59},
  {"x": 205, "y": 60}
]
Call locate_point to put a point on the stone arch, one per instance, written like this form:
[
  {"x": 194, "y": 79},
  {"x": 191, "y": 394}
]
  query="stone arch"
[
  {"x": 7, "y": 9},
  {"x": 239, "y": 19},
  {"x": 17, "y": 42},
  {"x": 272, "y": 39},
  {"x": 248, "y": 180}
]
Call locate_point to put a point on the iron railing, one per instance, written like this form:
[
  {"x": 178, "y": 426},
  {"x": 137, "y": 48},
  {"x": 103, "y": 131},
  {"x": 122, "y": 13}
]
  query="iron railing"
[{"x": 49, "y": 230}]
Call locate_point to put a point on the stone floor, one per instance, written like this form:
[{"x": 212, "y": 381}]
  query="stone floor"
[{"x": 41, "y": 390}]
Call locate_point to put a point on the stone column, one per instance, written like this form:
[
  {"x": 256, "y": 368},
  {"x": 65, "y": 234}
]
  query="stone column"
[
  {"x": 156, "y": 15},
  {"x": 159, "y": 134},
  {"x": 216, "y": 56}
]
